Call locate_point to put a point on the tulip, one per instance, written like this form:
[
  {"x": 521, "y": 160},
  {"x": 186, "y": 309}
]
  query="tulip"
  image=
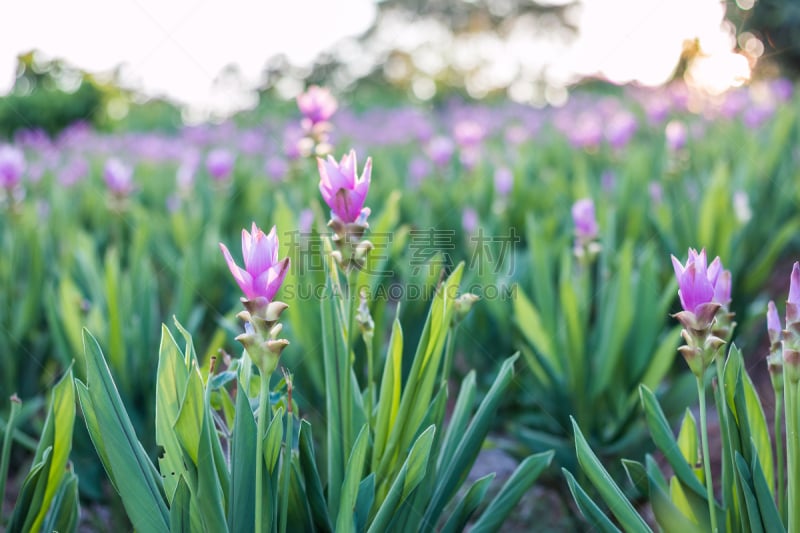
[
  {"x": 118, "y": 177},
  {"x": 317, "y": 104},
  {"x": 583, "y": 217},
  {"x": 12, "y": 165},
  {"x": 343, "y": 190},
  {"x": 263, "y": 273}
]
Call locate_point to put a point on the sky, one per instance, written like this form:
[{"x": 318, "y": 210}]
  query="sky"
[{"x": 178, "y": 48}]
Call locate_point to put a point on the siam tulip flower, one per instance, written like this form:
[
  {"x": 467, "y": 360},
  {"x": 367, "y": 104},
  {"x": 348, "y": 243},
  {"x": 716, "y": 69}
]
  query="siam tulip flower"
[
  {"x": 696, "y": 281},
  {"x": 317, "y": 105},
  {"x": 343, "y": 190},
  {"x": 791, "y": 339},
  {"x": 263, "y": 273},
  {"x": 620, "y": 129},
  {"x": 118, "y": 177},
  {"x": 775, "y": 357},
  {"x": 468, "y": 134},
  {"x": 704, "y": 292},
  {"x": 419, "y": 168},
  {"x": 440, "y": 150},
  {"x": 220, "y": 163},
  {"x": 74, "y": 171},
  {"x": 469, "y": 220},
  {"x": 276, "y": 168},
  {"x": 503, "y": 181},
  {"x": 12, "y": 165},
  {"x": 676, "y": 134},
  {"x": 583, "y": 216}
]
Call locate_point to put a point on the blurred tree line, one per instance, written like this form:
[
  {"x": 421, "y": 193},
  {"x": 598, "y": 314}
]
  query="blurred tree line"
[{"x": 49, "y": 94}]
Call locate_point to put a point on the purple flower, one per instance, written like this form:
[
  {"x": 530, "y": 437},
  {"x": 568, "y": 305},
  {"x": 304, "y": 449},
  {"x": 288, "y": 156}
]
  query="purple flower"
[
  {"x": 219, "y": 163},
  {"x": 440, "y": 150},
  {"x": 468, "y": 133},
  {"x": 583, "y": 217},
  {"x": 342, "y": 189},
  {"x": 675, "y": 133},
  {"x": 620, "y": 129},
  {"x": 12, "y": 165},
  {"x": 774, "y": 327},
  {"x": 503, "y": 181},
  {"x": 276, "y": 168},
  {"x": 700, "y": 283},
  {"x": 317, "y": 104},
  {"x": 262, "y": 274},
  {"x": 118, "y": 177},
  {"x": 469, "y": 220},
  {"x": 793, "y": 303}
]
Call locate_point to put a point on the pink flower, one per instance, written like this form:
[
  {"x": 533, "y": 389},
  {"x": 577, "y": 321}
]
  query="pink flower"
[
  {"x": 12, "y": 165},
  {"x": 342, "y": 189},
  {"x": 584, "y": 219},
  {"x": 774, "y": 327},
  {"x": 317, "y": 104},
  {"x": 118, "y": 177},
  {"x": 793, "y": 303},
  {"x": 220, "y": 163},
  {"x": 262, "y": 274},
  {"x": 700, "y": 283}
]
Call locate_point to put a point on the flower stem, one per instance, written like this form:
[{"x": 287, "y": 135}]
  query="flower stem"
[
  {"x": 263, "y": 414},
  {"x": 7, "y": 439},
  {"x": 370, "y": 381},
  {"x": 780, "y": 455},
  {"x": 792, "y": 465},
  {"x": 701, "y": 394}
]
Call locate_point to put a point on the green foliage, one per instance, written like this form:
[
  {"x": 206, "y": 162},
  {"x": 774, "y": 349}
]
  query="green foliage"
[{"x": 749, "y": 501}]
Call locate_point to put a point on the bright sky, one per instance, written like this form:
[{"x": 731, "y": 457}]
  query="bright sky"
[{"x": 178, "y": 47}]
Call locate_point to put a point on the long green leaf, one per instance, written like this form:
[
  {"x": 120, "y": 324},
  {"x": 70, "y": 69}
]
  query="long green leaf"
[
  {"x": 620, "y": 507},
  {"x": 520, "y": 481},
  {"x": 129, "y": 468}
]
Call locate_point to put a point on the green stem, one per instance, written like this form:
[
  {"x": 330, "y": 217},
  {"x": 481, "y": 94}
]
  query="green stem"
[
  {"x": 370, "y": 381},
  {"x": 347, "y": 393},
  {"x": 792, "y": 464},
  {"x": 287, "y": 467},
  {"x": 7, "y": 438},
  {"x": 779, "y": 452},
  {"x": 448, "y": 355},
  {"x": 701, "y": 393},
  {"x": 263, "y": 415},
  {"x": 728, "y": 475}
]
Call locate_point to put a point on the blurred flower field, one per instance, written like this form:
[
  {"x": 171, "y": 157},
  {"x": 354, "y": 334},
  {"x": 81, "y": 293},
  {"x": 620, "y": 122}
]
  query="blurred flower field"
[{"x": 420, "y": 284}]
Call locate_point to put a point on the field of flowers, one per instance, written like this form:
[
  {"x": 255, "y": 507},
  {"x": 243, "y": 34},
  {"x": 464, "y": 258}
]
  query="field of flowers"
[{"x": 414, "y": 286}]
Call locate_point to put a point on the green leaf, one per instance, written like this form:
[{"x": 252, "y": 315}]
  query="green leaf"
[
  {"x": 389, "y": 399},
  {"x": 467, "y": 504},
  {"x": 313, "y": 485},
  {"x": 30, "y": 495},
  {"x": 766, "y": 503},
  {"x": 172, "y": 376},
  {"x": 241, "y": 506},
  {"x": 520, "y": 481},
  {"x": 453, "y": 469},
  {"x": 529, "y": 322},
  {"x": 593, "y": 514},
  {"x": 665, "y": 441},
  {"x": 273, "y": 440},
  {"x": 65, "y": 509},
  {"x": 364, "y": 500},
  {"x": 417, "y": 461},
  {"x": 745, "y": 482},
  {"x": 58, "y": 434},
  {"x": 345, "y": 520},
  {"x": 179, "y": 516},
  {"x": 620, "y": 507},
  {"x": 133, "y": 475}
]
